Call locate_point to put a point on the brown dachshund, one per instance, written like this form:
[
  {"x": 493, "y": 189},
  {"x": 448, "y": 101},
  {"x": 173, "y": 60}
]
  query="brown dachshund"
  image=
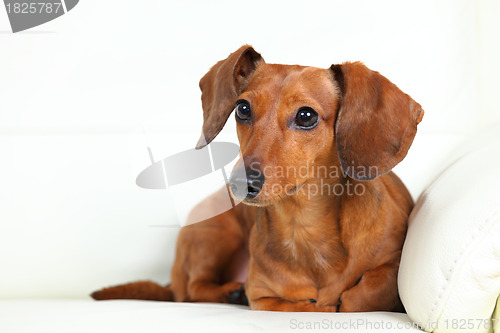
[{"x": 324, "y": 219}]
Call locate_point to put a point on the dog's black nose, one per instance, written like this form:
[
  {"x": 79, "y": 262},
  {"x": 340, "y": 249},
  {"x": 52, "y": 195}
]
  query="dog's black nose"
[{"x": 246, "y": 182}]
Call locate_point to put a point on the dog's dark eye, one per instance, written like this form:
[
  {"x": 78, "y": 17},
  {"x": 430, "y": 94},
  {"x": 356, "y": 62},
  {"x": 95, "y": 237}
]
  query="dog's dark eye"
[
  {"x": 243, "y": 111},
  {"x": 306, "y": 118}
]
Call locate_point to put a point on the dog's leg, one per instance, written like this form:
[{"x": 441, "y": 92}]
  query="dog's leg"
[
  {"x": 376, "y": 291},
  {"x": 204, "y": 252},
  {"x": 208, "y": 253},
  {"x": 208, "y": 291},
  {"x": 204, "y": 282}
]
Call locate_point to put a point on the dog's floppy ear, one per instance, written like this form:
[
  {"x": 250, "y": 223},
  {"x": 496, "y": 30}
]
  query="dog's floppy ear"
[
  {"x": 221, "y": 86},
  {"x": 376, "y": 122}
]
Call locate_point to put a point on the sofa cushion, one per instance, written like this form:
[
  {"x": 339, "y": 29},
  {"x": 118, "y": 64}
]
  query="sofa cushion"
[
  {"x": 449, "y": 277},
  {"x": 62, "y": 316}
]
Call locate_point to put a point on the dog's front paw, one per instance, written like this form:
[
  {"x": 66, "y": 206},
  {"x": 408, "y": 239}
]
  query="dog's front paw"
[{"x": 348, "y": 302}]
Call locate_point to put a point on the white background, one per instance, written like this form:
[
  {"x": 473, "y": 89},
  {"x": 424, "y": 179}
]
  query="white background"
[{"x": 82, "y": 97}]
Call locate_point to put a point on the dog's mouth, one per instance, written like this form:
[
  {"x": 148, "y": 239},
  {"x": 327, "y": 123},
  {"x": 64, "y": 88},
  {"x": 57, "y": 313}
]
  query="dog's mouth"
[
  {"x": 259, "y": 202},
  {"x": 264, "y": 199}
]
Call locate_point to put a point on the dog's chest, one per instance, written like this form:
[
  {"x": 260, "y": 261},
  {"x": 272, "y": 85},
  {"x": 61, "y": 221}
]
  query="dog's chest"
[
  {"x": 313, "y": 250},
  {"x": 305, "y": 238}
]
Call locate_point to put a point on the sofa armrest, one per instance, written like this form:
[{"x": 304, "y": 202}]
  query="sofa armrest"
[{"x": 449, "y": 278}]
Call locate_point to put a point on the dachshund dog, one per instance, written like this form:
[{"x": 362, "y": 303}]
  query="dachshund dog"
[{"x": 323, "y": 218}]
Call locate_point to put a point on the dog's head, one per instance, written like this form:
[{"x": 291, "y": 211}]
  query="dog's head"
[{"x": 297, "y": 125}]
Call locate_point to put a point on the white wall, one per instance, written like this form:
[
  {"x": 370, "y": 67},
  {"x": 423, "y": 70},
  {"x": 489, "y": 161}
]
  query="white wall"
[
  {"x": 78, "y": 93},
  {"x": 488, "y": 66}
]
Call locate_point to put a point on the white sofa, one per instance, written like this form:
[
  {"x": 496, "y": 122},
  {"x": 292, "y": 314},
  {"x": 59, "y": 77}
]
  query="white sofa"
[{"x": 78, "y": 93}]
